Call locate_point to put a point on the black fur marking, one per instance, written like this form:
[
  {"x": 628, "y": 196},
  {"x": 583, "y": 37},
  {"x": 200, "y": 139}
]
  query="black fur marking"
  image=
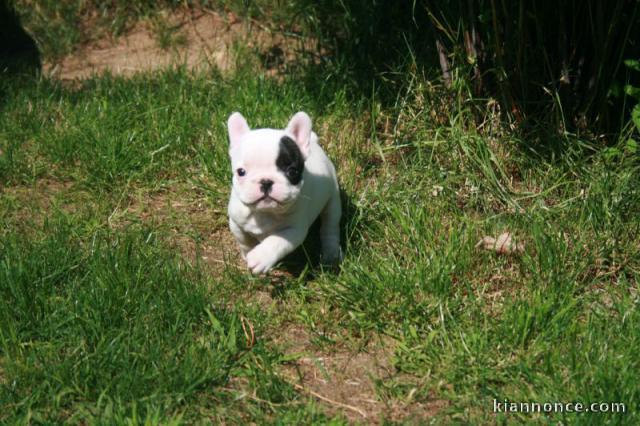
[{"x": 290, "y": 160}]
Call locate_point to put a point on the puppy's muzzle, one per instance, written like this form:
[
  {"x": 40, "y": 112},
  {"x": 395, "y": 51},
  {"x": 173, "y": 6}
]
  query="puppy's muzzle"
[{"x": 265, "y": 186}]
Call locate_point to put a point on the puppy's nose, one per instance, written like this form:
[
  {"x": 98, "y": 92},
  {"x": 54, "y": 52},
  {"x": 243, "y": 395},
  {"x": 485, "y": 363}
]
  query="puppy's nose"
[{"x": 265, "y": 185}]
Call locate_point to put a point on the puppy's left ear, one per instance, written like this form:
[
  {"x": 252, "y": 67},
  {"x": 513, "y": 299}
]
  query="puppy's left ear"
[{"x": 300, "y": 128}]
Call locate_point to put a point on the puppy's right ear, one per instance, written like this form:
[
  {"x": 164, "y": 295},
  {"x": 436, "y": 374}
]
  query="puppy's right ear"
[{"x": 237, "y": 127}]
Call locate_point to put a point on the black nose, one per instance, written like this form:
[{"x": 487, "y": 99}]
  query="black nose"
[{"x": 265, "y": 185}]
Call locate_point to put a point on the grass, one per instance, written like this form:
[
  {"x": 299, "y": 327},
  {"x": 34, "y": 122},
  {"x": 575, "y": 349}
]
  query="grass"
[
  {"x": 168, "y": 36},
  {"x": 111, "y": 312}
]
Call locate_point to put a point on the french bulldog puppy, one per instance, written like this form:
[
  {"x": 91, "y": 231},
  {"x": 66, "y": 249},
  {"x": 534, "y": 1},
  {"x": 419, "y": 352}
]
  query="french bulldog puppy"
[{"x": 282, "y": 181}]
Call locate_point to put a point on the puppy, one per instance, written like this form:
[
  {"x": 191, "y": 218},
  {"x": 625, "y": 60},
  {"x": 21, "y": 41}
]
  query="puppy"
[{"x": 282, "y": 181}]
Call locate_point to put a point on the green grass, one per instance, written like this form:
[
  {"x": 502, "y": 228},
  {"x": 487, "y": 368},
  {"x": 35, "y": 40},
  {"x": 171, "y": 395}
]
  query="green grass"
[
  {"x": 108, "y": 315},
  {"x": 113, "y": 327}
]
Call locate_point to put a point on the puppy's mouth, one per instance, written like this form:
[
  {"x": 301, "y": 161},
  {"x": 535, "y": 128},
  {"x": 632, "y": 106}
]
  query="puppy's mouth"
[{"x": 266, "y": 198}]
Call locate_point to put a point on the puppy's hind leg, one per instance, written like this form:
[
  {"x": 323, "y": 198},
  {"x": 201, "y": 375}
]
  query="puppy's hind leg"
[{"x": 330, "y": 230}]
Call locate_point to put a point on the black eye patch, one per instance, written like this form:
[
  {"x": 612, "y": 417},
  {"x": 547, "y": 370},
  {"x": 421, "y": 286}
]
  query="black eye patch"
[{"x": 290, "y": 160}]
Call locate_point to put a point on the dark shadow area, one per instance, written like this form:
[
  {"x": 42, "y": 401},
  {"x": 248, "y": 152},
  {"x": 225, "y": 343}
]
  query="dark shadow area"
[
  {"x": 371, "y": 44},
  {"x": 19, "y": 53},
  {"x": 559, "y": 63},
  {"x": 307, "y": 256}
]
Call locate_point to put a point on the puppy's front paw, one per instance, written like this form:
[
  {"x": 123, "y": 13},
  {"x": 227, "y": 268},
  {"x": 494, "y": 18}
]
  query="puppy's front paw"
[
  {"x": 331, "y": 255},
  {"x": 260, "y": 260}
]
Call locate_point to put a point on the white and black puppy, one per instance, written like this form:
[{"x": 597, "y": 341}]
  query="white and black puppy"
[{"x": 282, "y": 181}]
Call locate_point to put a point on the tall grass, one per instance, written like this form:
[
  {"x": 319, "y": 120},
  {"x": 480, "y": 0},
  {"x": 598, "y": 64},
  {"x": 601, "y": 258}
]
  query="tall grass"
[{"x": 562, "y": 59}]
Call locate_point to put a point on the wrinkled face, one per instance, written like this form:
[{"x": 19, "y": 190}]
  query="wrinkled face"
[{"x": 268, "y": 169}]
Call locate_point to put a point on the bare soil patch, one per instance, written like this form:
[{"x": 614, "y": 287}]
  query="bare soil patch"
[
  {"x": 26, "y": 206},
  {"x": 201, "y": 39},
  {"x": 344, "y": 381}
]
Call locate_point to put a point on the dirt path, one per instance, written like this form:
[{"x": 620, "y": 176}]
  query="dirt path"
[{"x": 197, "y": 39}]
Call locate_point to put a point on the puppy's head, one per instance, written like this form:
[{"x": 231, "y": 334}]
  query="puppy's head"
[{"x": 268, "y": 164}]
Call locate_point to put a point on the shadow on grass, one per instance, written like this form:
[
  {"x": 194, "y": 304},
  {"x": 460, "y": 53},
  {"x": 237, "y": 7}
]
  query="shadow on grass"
[
  {"x": 305, "y": 262},
  {"x": 18, "y": 51}
]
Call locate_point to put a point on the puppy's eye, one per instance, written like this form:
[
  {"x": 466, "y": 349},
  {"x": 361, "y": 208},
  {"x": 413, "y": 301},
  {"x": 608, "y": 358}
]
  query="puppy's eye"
[
  {"x": 241, "y": 171},
  {"x": 292, "y": 172}
]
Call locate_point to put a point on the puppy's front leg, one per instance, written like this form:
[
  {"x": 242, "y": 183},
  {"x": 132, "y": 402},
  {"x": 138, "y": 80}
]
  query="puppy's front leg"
[
  {"x": 273, "y": 248},
  {"x": 245, "y": 241}
]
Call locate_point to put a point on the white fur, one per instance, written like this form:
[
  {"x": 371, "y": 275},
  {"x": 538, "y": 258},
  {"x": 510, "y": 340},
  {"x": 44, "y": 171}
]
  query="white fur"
[{"x": 269, "y": 229}]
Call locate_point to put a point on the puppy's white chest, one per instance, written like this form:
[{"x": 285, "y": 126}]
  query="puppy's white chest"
[{"x": 261, "y": 226}]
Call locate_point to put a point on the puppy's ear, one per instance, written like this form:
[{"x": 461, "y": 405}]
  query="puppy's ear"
[
  {"x": 300, "y": 128},
  {"x": 237, "y": 127}
]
